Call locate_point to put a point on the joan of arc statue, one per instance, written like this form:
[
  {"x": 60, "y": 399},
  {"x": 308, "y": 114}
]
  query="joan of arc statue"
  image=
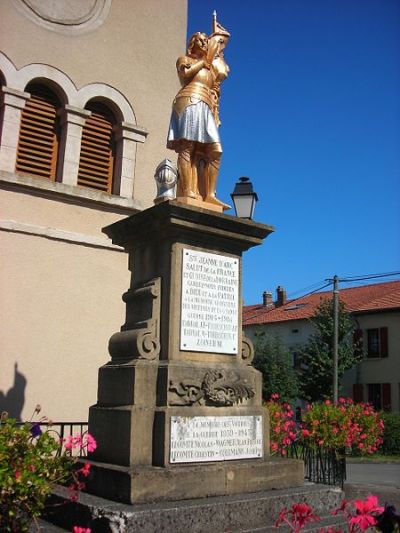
[{"x": 193, "y": 131}]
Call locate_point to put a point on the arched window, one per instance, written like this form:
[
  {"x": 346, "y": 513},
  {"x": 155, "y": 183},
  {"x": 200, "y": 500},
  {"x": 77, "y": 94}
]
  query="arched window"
[
  {"x": 39, "y": 134},
  {"x": 98, "y": 149}
]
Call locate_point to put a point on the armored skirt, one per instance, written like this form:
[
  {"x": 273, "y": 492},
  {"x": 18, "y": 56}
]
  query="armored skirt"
[{"x": 195, "y": 123}]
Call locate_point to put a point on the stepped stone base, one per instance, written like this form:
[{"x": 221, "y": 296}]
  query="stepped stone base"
[
  {"x": 153, "y": 484},
  {"x": 238, "y": 513}
]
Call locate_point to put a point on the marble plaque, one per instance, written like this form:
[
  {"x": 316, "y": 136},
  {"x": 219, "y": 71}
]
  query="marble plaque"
[
  {"x": 210, "y": 303},
  {"x": 215, "y": 438}
]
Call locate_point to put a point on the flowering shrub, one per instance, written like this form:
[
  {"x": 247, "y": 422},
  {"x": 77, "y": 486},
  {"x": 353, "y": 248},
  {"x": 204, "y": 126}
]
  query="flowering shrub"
[
  {"x": 282, "y": 426},
  {"x": 297, "y": 517},
  {"x": 359, "y": 515},
  {"x": 30, "y": 463},
  {"x": 356, "y": 427}
]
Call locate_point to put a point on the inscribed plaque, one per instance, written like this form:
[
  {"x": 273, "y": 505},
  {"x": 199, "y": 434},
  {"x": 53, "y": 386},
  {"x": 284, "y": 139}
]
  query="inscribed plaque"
[
  {"x": 210, "y": 303},
  {"x": 215, "y": 438}
]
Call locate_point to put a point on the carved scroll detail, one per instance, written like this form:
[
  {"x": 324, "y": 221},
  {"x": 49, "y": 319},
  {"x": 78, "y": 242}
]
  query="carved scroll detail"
[
  {"x": 218, "y": 388},
  {"x": 139, "y": 337},
  {"x": 247, "y": 350}
]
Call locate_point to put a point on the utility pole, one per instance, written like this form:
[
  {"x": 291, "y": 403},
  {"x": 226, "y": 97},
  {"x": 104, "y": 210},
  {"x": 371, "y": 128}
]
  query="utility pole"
[{"x": 335, "y": 336}]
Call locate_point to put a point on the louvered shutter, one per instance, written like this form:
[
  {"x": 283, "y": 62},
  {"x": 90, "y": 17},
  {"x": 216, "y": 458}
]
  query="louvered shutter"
[
  {"x": 383, "y": 342},
  {"x": 96, "y": 164},
  {"x": 358, "y": 392},
  {"x": 386, "y": 397},
  {"x": 39, "y": 134},
  {"x": 1, "y": 109}
]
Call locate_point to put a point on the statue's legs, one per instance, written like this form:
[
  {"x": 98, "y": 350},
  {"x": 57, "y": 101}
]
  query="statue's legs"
[
  {"x": 214, "y": 153},
  {"x": 187, "y": 182}
]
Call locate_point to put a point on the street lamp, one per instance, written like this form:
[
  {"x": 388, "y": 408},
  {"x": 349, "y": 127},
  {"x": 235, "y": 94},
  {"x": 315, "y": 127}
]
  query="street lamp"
[{"x": 244, "y": 198}]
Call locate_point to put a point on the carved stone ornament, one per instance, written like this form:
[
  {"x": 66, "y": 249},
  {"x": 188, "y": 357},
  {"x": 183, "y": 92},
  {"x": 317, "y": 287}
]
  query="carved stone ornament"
[
  {"x": 247, "y": 350},
  {"x": 65, "y": 16},
  {"x": 139, "y": 337},
  {"x": 220, "y": 388}
]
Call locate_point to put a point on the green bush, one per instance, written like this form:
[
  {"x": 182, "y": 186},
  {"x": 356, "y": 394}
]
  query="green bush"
[
  {"x": 31, "y": 462},
  {"x": 391, "y": 435}
]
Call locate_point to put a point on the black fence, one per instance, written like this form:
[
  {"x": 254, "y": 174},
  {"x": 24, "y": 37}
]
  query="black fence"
[
  {"x": 321, "y": 465},
  {"x": 59, "y": 430}
]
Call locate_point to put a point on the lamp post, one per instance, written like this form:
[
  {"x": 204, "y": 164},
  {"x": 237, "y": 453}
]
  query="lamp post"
[{"x": 244, "y": 198}]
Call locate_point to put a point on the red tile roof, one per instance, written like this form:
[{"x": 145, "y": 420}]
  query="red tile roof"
[{"x": 377, "y": 297}]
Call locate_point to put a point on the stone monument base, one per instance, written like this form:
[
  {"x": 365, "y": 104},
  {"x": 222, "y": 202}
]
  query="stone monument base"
[
  {"x": 239, "y": 513},
  {"x": 145, "y": 484}
]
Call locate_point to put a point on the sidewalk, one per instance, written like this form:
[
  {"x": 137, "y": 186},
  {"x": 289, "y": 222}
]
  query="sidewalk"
[{"x": 379, "y": 479}]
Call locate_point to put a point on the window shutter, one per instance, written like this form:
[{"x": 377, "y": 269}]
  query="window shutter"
[
  {"x": 386, "y": 397},
  {"x": 383, "y": 342},
  {"x": 39, "y": 133},
  {"x": 358, "y": 342},
  {"x": 96, "y": 164},
  {"x": 358, "y": 392}
]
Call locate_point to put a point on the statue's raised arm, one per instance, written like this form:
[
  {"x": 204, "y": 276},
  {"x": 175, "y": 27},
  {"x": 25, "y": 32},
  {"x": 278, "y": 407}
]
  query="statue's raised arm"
[{"x": 193, "y": 131}]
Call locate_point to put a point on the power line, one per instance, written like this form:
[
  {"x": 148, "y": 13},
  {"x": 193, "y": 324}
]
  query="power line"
[
  {"x": 369, "y": 276},
  {"x": 308, "y": 288},
  {"x": 362, "y": 277}
]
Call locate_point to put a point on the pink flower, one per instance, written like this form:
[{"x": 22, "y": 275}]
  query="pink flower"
[
  {"x": 275, "y": 396},
  {"x": 85, "y": 470},
  {"x": 91, "y": 443},
  {"x": 77, "y": 529},
  {"x": 364, "y": 518}
]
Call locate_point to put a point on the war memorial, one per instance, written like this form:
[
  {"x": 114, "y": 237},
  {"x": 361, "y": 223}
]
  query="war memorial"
[{"x": 183, "y": 438}]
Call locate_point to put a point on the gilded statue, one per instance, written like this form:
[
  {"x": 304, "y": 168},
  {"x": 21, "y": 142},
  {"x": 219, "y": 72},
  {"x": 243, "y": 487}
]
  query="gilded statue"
[{"x": 193, "y": 131}]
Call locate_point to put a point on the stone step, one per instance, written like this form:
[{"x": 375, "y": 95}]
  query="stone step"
[{"x": 225, "y": 514}]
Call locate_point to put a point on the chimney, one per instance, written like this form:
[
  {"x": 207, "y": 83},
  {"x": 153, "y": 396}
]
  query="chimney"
[
  {"x": 280, "y": 296},
  {"x": 267, "y": 298}
]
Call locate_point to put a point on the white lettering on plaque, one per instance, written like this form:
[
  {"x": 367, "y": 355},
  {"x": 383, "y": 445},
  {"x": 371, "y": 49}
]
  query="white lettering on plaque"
[
  {"x": 210, "y": 303},
  {"x": 215, "y": 438}
]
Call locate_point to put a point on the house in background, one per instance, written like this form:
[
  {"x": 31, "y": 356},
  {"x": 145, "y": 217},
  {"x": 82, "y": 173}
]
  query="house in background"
[
  {"x": 376, "y": 313},
  {"x": 86, "y": 92}
]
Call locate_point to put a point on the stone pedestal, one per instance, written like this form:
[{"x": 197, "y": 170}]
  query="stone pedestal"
[{"x": 179, "y": 410}]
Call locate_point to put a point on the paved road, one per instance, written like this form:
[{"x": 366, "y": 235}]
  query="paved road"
[{"x": 374, "y": 474}]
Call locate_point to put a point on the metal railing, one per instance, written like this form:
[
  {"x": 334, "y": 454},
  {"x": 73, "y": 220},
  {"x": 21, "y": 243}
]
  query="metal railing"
[
  {"x": 321, "y": 465},
  {"x": 59, "y": 430}
]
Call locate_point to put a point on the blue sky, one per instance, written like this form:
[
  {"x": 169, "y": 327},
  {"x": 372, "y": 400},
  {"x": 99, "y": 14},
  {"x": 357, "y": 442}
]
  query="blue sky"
[{"x": 311, "y": 113}]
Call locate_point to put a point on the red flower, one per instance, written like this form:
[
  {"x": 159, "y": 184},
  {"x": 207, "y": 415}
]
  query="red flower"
[{"x": 85, "y": 470}]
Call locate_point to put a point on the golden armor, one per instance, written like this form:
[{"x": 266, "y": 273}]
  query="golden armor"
[{"x": 193, "y": 131}]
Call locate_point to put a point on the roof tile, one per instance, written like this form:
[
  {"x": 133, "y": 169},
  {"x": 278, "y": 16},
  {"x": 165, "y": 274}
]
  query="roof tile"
[{"x": 376, "y": 297}]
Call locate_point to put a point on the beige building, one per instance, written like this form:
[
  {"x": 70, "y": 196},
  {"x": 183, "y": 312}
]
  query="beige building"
[
  {"x": 86, "y": 94},
  {"x": 376, "y": 313}
]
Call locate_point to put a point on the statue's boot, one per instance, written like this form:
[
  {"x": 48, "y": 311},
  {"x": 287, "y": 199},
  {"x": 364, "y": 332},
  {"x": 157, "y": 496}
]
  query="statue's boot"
[{"x": 212, "y": 199}]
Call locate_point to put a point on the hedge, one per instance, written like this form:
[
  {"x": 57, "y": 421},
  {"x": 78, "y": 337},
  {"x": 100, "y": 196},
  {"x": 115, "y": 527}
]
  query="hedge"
[{"x": 391, "y": 435}]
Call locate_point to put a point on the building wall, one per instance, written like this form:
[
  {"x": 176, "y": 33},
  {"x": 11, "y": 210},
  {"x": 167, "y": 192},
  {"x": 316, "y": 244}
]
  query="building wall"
[
  {"x": 134, "y": 51},
  {"x": 378, "y": 370},
  {"x": 293, "y": 334},
  {"x": 61, "y": 278},
  {"x": 370, "y": 370}
]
